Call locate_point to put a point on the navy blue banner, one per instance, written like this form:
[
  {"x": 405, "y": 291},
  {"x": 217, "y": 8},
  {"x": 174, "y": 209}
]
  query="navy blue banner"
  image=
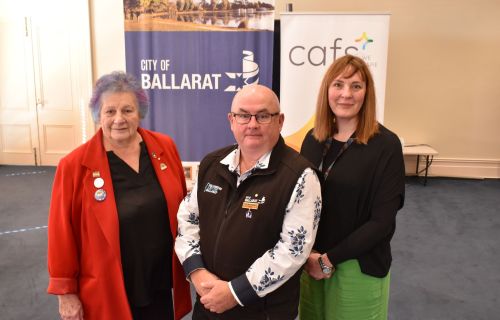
[{"x": 191, "y": 78}]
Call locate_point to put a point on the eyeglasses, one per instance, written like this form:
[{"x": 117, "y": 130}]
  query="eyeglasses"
[{"x": 262, "y": 118}]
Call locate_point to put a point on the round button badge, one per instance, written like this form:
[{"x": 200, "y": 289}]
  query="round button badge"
[
  {"x": 98, "y": 183},
  {"x": 100, "y": 195}
]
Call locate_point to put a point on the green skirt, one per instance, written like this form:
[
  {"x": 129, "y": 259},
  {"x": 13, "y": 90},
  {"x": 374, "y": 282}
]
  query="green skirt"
[{"x": 348, "y": 295}]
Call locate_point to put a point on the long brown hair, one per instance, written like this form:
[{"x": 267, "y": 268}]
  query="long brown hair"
[{"x": 324, "y": 124}]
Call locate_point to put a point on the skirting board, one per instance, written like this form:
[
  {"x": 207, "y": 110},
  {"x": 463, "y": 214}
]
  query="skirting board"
[{"x": 456, "y": 168}]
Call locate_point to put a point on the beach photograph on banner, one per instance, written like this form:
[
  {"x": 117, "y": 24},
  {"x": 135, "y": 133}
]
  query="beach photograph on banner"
[
  {"x": 191, "y": 57},
  {"x": 193, "y": 15}
]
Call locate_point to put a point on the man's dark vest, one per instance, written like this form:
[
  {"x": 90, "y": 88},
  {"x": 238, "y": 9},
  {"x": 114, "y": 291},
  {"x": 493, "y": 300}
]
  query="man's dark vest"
[{"x": 238, "y": 225}]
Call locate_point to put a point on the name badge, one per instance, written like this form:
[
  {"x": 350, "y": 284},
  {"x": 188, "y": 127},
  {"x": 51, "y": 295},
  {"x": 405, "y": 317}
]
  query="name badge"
[{"x": 250, "y": 205}]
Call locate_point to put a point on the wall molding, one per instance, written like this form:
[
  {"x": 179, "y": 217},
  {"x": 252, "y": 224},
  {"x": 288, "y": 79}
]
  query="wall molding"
[{"x": 456, "y": 167}]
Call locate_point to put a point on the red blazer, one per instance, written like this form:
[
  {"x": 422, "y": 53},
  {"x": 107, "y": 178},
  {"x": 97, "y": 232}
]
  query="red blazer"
[{"x": 83, "y": 233}]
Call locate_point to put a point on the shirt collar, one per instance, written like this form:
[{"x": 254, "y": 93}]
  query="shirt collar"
[{"x": 232, "y": 160}]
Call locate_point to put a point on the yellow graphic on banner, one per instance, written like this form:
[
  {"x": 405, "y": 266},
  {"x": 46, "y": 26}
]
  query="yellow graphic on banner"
[{"x": 295, "y": 140}]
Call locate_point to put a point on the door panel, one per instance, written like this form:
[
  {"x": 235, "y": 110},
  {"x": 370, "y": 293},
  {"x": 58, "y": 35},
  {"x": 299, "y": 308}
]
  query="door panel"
[
  {"x": 57, "y": 141},
  {"x": 18, "y": 126},
  {"x": 57, "y": 107},
  {"x": 16, "y": 138},
  {"x": 52, "y": 51}
]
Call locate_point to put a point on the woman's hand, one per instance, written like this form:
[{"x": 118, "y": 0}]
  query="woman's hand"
[
  {"x": 313, "y": 269},
  {"x": 70, "y": 307}
]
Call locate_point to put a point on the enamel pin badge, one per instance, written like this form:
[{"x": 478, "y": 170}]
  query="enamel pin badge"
[
  {"x": 252, "y": 204},
  {"x": 100, "y": 195},
  {"x": 163, "y": 166}
]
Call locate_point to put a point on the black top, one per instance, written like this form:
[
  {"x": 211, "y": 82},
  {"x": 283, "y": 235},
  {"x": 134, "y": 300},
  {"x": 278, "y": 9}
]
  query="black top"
[
  {"x": 331, "y": 154},
  {"x": 361, "y": 196},
  {"x": 145, "y": 239}
]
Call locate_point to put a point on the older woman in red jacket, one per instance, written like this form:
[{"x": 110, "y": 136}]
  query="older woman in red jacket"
[{"x": 112, "y": 216}]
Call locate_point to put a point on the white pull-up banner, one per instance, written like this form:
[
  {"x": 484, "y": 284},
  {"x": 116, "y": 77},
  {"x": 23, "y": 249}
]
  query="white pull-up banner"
[{"x": 310, "y": 42}]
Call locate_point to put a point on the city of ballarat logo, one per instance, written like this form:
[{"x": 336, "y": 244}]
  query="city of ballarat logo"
[
  {"x": 249, "y": 73},
  {"x": 212, "y": 188}
]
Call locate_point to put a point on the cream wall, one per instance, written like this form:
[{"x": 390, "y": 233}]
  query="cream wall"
[
  {"x": 442, "y": 78},
  {"x": 107, "y": 32}
]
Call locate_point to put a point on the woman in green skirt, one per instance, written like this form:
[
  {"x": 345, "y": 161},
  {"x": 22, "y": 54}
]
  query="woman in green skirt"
[{"x": 347, "y": 275}]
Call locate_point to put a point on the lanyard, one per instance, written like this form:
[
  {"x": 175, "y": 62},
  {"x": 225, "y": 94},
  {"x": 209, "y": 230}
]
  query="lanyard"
[{"x": 328, "y": 144}]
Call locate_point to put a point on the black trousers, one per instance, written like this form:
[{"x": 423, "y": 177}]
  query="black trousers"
[
  {"x": 281, "y": 304},
  {"x": 237, "y": 313},
  {"x": 160, "y": 308}
]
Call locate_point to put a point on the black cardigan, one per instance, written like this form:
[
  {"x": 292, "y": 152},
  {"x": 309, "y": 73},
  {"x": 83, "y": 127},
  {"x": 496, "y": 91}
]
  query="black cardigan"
[{"x": 361, "y": 197}]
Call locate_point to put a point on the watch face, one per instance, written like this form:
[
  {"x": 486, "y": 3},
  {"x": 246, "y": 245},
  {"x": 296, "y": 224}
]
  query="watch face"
[{"x": 327, "y": 269}]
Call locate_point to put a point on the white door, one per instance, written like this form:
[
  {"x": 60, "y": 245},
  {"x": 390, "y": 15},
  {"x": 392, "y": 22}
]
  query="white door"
[
  {"x": 18, "y": 123},
  {"x": 43, "y": 113}
]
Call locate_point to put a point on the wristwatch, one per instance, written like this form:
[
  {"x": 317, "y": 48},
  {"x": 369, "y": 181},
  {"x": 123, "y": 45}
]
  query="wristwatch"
[{"x": 324, "y": 267}]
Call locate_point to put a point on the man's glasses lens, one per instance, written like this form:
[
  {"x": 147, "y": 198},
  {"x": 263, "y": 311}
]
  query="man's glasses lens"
[{"x": 262, "y": 118}]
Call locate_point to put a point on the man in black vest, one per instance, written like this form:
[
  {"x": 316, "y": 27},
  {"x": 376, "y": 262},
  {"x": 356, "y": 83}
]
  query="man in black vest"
[{"x": 249, "y": 224}]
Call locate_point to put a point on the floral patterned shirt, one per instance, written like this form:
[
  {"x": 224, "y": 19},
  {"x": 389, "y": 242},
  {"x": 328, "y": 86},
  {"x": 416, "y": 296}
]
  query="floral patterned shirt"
[{"x": 279, "y": 263}]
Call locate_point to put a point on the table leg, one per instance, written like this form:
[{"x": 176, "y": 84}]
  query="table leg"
[
  {"x": 426, "y": 169},
  {"x": 418, "y": 161},
  {"x": 428, "y": 162}
]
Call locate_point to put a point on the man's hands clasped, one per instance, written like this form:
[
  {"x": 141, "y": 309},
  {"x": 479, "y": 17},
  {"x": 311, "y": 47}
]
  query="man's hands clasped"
[{"x": 215, "y": 293}]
